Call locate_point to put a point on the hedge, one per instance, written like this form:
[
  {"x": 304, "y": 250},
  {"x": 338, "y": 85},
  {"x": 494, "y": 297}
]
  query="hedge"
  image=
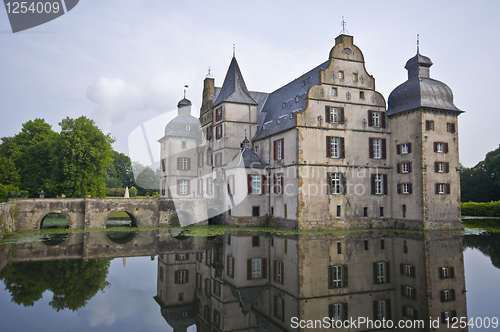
[
  {"x": 120, "y": 192},
  {"x": 491, "y": 209}
]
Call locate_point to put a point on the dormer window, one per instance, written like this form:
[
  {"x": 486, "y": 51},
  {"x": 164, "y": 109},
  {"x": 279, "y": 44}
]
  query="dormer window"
[
  {"x": 280, "y": 119},
  {"x": 267, "y": 125}
]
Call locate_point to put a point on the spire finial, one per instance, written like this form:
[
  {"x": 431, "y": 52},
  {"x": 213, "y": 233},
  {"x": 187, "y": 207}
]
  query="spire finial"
[
  {"x": 185, "y": 89},
  {"x": 209, "y": 74},
  {"x": 234, "y": 50},
  {"x": 418, "y": 43},
  {"x": 343, "y": 24}
]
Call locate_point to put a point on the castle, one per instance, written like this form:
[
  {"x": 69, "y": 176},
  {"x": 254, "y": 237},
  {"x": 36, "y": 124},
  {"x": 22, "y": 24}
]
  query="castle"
[{"x": 323, "y": 151}]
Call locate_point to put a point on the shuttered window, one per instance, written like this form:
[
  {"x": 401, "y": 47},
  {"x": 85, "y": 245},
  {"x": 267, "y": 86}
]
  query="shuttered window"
[
  {"x": 278, "y": 148},
  {"x": 257, "y": 268},
  {"x": 337, "y": 276},
  {"x": 334, "y": 114},
  {"x": 335, "y": 147}
]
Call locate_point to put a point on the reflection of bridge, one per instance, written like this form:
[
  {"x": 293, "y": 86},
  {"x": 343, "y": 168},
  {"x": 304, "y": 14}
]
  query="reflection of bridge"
[{"x": 28, "y": 214}]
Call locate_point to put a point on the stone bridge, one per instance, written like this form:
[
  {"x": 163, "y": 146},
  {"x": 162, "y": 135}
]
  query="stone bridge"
[{"x": 83, "y": 213}]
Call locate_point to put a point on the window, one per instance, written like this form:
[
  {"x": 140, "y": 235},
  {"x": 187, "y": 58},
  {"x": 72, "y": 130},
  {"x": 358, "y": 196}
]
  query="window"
[
  {"x": 441, "y": 167},
  {"x": 181, "y": 257},
  {"x": 441, "y": 147},
  {"x": 339, "y": 248},
  {"x": 209, "y": 157},
  {"x": 334, "y": 114},
  {"x": 403, "y": 148},
  {"x": 406, "y": 188},
  {"x": 256, "y": 268},
  {"x": 366, "y": 244},
  {"x": 183, "y": 163},
  {"x": 403, "y": 207},
  {"x": 255, "y": 211},
  {"x": 354, "y": 77},
  {"x": 446, "y": 316},
  {"x": 334, "y": 92},
  {"x": 181, "y": 276},
  {"x": 429, "y": 125},
  {"x": 450, "y": 127},
  {"x": 292, "y": 114},
  {"x": 256, "y": 184},
  {"x": 161, "y": 273},
  {"x": 382, "y": 309},
  {"x": 337, "y": 311},
  {"x": 279, "y": 308},
  {"x": 218, "y": 159},
  {"x": 381, "y": 273},
  {"x": 405, "y": 168},
  {"x": 365, "y": 212},
  {"x": 337, "y": 276},
  {"x": 381, "y": 211},
  {"x": 278, "y": 272},
  {"x": 278, "y": 183},
  {"x": 361, "y": 95},
  {"x": 376, "y": 148},
  {"x": 209, "y": 186},
  {"x": 441, "y": 188},
  {"x": 408, "y": 292},
  {"x": 336, "y": 183},
  {"x": 230, "y": 266},
  {"x": 163, "y": 187},
  {"x": 255, "y": 241},
  {"x": 382, "y": 244},
  {"x": 405, "y": 247},
  {"x": 216, "y": 287},
  {"x": 199, "y": 281},
  {"x": 341, "y": 74},
  {"x": 446, "y": 273},
  {"x": 285, "y": 208},
  {"x": 279, "y": 149},
  {"x": 218, "y": 114},
  {"x": 376, "y": 119},
  {"x": 335, "y": 147},
  {"x": 409, "y": 312},
  {"x": 184, "y": 144},
  {"x": 407, "y": 270},
  {"x": 218, "y": 132},
  {"x": 183, "y": 187},
  {"x": 379, "y": 184},
  {"x": 267, "y": 125},
  {"x": 216, "y": 317},
  {"x": 447, "y": 295},
  {"x": 338, "y": 210}
]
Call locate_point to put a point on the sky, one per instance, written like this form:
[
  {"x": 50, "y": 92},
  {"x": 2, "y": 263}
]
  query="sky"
[{"x": 124, "y": 63}]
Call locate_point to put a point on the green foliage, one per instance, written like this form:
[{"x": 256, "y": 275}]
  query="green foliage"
[
  {"x": 72, "y": 282},
  {"x": 30, "y": 152},
  {"x": 5, "y": 191},
  {"x": 8, "y": 172},
  {"x": 481, "y": 183},
  {"x": 488, "y": 245},
  {"x": 147, "y": 178},
  {"x": 120, "y": 192},
  {"x": 80, "y": 157},
  {"x": 133, "y": 191},
  {"x": 119, "y": 174},
  {"x": 491, "y": 209}
]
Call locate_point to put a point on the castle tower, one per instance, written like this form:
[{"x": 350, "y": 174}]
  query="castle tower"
[{"x": 426, "y": 179}]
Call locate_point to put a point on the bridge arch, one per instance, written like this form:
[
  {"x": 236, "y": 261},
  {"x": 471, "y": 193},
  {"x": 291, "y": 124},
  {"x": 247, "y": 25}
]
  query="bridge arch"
[
  {"x": 133, "y": 218},
  {"x": 62, "y": 213}
]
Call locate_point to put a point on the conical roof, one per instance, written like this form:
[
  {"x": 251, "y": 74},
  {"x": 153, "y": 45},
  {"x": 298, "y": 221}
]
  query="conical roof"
[{"x": 234, "y": 89}]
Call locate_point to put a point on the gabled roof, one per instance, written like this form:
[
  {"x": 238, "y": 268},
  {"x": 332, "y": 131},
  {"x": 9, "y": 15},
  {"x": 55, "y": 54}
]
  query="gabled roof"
[
  {"x": 287, "y": 99},
  {"x": 234, "y": 89},
  {"x": 246, "y": 158}
]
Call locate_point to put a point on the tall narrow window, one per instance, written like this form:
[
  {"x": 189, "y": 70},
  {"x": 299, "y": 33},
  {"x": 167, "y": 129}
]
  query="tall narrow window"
[
  {"x": 278, "y": 148},
  {"x": 379, "y": 184},
  {"x": 376, "y": 119},
  {"x": 341, "y": 74},
  {"x": 256, "y": 184},
  {"x": 355, "y": 77},
  {"x": 256, "y": 268},
  {"x": 335, "y": 147},
  {"x": 183, "y": 190},
  {"x": 377, "y": 148},
  {"x": 334, "y": 92}
]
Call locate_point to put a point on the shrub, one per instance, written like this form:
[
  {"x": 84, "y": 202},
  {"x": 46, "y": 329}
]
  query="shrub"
[{"x": 491, "y": 209}]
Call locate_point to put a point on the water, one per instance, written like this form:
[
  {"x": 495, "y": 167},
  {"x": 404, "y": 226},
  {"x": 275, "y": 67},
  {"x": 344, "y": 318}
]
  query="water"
[{"x": 162, "y": 280}]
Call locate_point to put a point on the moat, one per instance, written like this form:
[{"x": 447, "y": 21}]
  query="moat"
[{"x": 167, "y": 279}]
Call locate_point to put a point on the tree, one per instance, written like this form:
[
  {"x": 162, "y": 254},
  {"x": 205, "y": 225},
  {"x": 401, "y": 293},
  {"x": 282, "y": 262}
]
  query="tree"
[
  {"x": 481, "y": 183},
  {"x": 30, "y": 152},
  {"x": 119, "y": 174},
  {"x": 80, "y": 156},
  {"x": 72, "y": 282},
  {"x": 9, "y": 178},
  {"x": 146, "y": 178}
]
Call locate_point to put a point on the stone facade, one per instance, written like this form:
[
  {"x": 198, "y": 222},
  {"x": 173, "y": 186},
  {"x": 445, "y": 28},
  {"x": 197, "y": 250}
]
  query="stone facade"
[{"x": 335, "y": 154}]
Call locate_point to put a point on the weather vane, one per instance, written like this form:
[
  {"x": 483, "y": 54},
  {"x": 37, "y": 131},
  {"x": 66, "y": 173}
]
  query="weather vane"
[
  {"x": 234, "y": 50},
  {"x": 185, "y": 89},
  {"x": 418, "y": 43},
  {"x": 209, "y": 74},
  {"x": 343, "y": 24}
]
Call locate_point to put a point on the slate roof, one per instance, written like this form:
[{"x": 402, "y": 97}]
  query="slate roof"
[
  {"x": 234, "y": 89},
  {"x": 420, "y": 90},
  {"x": 276, "y": 108},
  {"x": 246, "y": 158}
]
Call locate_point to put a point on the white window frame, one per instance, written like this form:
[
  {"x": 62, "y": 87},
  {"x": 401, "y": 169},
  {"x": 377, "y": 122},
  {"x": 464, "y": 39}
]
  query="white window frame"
[
  {"x": 410, "y": 312},
  {"x": 335, "y": 147},
  {"x": 406, "y": 188},
  {"x": 279, "y": 146},
  {"x": 381, "y": 272},
  {"x": 181, "y": 276},
  {"x": 183, "y": 187},
  {"x": 404, "y": 148},
  {"x": 405, "y": 167},
  {"x": 355, "y": 77},
  {"x": 279, "y": 181},
  {"x": 377, "y": 148},
  {"x": 256, "y": 184},
  {"x": 256, "y": 268},
  {"x": 335, "y": 185},
  {"x": 440, "y": 147},
  {"x": 184, "y": 144},
  {"x": 183, "y": 164},
  {"x": 335, "y": 92},
  {"x": 379, "y": 184},
  {"x": 381, "y": 309},
  {"x": 376, "y": 119},
  {"x": 181, "y": 257},
  {"x": 337, "y": 311},
  {"x": 441, "y": 188},
  {"x": 408, "y": 270},
  {"x": 447, "y": 295},
  {"x": 410, "y": 292},
  {"x": 440, "y": 167},
  {"x": 279, "y": 272},
  {"x": 337, "y": 276},
  {"x": 341, "y": 74},
  {"x": 334, "y": 114},
  {"x": 445, "y": 272}
]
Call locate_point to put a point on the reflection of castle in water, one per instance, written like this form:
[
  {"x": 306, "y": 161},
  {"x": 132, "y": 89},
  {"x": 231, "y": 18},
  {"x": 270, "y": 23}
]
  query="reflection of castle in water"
[{"x": 260, "y": 282}]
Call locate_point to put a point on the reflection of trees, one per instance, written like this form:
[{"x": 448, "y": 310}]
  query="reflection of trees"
[
  {"x": 72, "y": 282},
  {"x": 488, "y": 244}
]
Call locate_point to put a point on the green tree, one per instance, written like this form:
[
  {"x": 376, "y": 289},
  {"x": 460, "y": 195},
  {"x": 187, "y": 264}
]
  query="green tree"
[
  {"x": 81, "y": 155},
  {"x": 481, "y": 183},
  {"x": 119, "y": 174},
  {"x": 72, "y": 282},
  {"x": 30, "y": 152},
  {"x": 9, "y": 178},
  {"x": 147, "y": 179}
]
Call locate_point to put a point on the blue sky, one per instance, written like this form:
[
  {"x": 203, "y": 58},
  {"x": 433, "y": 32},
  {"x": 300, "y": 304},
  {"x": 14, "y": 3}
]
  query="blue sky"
[{"x": 125, "y": 62}]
